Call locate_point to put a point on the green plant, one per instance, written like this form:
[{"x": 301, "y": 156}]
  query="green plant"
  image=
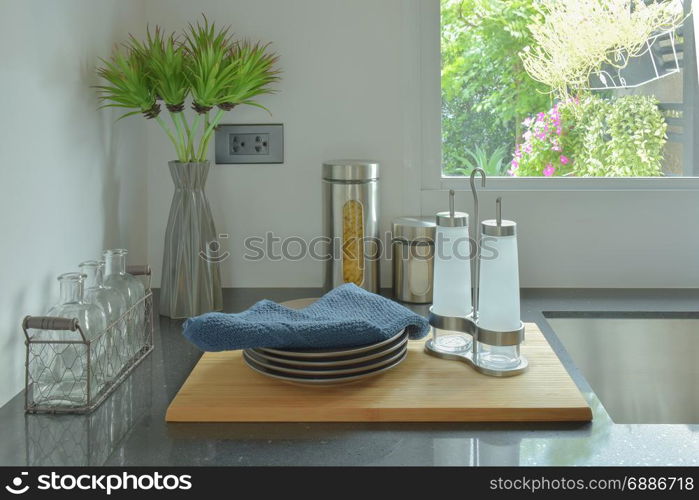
[
  {"x": 208, "y": 66},
  {"x": 619, "y": 137},
  {"x": 594, "y": 137},
  {"x": 493, "y": 164},
  {"x": 486, "y": 93},
  {"x": 573, "y": 38},
  {"x": 129, "y": 84}
]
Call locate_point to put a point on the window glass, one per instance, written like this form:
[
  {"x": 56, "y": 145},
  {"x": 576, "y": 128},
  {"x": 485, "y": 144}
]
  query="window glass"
[{"x": 574, "y": 88}]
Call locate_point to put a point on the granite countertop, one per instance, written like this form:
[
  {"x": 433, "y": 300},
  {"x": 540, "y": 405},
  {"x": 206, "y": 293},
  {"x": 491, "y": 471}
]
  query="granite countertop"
[{"x": 130, "y": 429}]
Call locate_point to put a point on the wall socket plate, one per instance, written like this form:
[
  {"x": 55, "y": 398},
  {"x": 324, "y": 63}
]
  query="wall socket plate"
[{"x": 244, "y": 144}]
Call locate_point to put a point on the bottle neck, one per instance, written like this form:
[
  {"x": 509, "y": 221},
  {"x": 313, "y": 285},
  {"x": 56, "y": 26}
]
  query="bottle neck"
[
  {"x": 114, "y": 263},
  {"x": 72, "y": 286},
  {"x": 93, "y": 274}
]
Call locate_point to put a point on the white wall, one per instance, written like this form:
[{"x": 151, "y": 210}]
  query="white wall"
[
  {"x": 73, "y": 182},
  {"x": 353, "y": 86},
  {"x": 340, "y": 96},
  {"x": 602, "y": 239}
]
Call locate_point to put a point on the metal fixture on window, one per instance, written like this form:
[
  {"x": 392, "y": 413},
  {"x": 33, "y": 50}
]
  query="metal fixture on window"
[
  {"x": 661, "y": 57},
  {"x": 476, "y": 317}
]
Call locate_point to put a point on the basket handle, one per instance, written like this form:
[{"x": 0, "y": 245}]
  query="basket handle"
[
  {"x": 51, "y": 323},
  {"x": 143, "y": 270},
  {"x": 139, "y": 270}
]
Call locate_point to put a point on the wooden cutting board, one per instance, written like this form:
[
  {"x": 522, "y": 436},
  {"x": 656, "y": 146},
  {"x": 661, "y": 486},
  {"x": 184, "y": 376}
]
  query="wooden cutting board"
[{"x": 222, "y": 388}]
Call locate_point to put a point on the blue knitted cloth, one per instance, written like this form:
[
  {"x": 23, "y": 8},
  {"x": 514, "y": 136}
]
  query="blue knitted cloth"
[{"x": 344, "y": 317}]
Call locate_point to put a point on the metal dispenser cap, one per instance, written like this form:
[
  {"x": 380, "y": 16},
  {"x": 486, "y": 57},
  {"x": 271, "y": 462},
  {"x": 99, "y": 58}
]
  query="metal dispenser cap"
[
  {"x": 414, "y": 229},
  {"x": 497, "y": 226},
  {"x": 452, "y": 218},
  {"x": 350, "y": 170}
]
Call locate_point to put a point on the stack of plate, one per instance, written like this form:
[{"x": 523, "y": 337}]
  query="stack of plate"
[{"x": 329, "y": 366}]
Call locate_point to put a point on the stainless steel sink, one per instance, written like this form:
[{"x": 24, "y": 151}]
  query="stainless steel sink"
[{"x": 644, "y": 368}]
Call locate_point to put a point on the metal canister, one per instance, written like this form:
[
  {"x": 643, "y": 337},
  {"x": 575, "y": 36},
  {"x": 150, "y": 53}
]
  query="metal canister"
[
  {"x": 413, "y": 259},
  {"x": 351, "y": 221}
]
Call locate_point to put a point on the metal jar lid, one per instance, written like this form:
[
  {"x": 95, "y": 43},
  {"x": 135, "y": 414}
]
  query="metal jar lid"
[
  {"x": 444, "y": 219},
  {"x": 414, "y": 229},
  {"x": 491, "y": 228},
  {"x": 350, "y": 170}
]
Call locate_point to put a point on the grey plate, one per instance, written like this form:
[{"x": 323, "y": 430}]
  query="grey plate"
[
  {"x": 328, "y": 372},
  {"x": 320, "y": 381},
  {"x": 332, "y": 362},
  {"x": 336, "y": 352}
]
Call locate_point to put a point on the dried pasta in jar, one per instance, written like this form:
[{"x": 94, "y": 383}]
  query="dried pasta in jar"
[{"x": 353, "y": 243}]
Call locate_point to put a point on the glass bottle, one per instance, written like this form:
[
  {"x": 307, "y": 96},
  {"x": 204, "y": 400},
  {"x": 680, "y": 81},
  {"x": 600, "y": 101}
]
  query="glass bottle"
[
  {"x": 114, "y": 305},
  {"x": 133, "y": 291},
  {"x": 498, "y": 306},
  {"x": 452, "y": 277},
  {"x": 62, "y": 374}
]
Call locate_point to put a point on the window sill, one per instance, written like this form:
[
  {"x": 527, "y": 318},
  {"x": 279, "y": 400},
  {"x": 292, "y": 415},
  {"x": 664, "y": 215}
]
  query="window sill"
[{"x": 573, "y": 184}]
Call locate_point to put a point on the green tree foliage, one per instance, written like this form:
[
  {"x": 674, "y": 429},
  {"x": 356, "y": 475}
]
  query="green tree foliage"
[{"x": 486, "y": 93}]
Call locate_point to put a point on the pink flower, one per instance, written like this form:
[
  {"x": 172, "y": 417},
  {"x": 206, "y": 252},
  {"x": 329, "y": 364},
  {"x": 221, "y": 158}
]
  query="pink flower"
[
  {"x": 527, "y": 122},
  {"x": 559, "y": 130},
  {"x": 540, "y": 117},
  {"x": 513, "y": 169},
  {"x": 549, "y": 170},
  {"x": 527, "y": 148},
  {"x": 565, "y": 160},
  {"x": 556, "y": 147}
]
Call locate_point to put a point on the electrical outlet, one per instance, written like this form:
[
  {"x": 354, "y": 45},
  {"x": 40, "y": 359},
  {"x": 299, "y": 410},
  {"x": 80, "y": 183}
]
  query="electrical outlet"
[{"x": 250, "y": 144}]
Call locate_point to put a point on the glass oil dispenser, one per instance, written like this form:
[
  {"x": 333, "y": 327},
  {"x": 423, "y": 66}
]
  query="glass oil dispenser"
[
  {"x": 499, "y": 292},
  {"x": 452, "y": 277}
]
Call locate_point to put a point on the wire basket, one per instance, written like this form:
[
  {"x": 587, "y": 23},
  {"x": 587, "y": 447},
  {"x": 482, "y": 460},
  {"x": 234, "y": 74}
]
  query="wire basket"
[
  {"x": 74, "y": 374},
  {"x": 661, "y": 57}
]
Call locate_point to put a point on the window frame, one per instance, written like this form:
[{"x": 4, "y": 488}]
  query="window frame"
[{"x": 431, "y": 129}]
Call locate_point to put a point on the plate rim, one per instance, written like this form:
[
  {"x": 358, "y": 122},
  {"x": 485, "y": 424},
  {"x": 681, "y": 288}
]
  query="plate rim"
[
  {"x": 390, "y": 357},
  {"x": 327, "y": 381},
  {"x": 327, "y": 353},
  {"x": 311, "y": 362}
]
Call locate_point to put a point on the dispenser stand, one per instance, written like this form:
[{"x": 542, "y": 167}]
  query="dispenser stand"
[
  {"x": 466, "y": 324},
  {"x": 469, "y": 324}
]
